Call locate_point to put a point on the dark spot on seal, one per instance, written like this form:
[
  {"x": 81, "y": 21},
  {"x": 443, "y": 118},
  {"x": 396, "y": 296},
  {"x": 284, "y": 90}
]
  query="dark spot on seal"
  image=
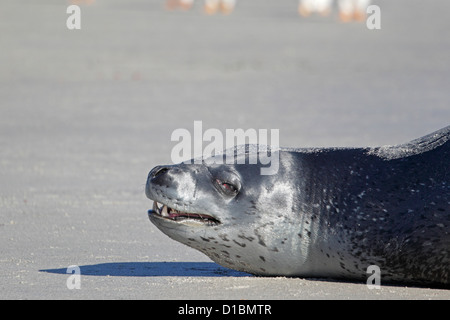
[
  {"x": 243, "y": 245},
  {"x": 262, "y": 258},
  {"x": 246, "y": 238}
]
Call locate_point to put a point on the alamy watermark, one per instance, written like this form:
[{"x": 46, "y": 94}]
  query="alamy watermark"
[
  {"x": 74, "y": 280},
  {"x": 374, "y": 280},
  {"x": 191, "y": 149},
  {"x": 73, "y": 21},
  {"x": 373, "y": 21}
]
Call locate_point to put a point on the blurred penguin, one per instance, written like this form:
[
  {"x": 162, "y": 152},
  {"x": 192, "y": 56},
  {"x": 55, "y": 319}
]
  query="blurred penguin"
[
  {"x": 349, "y": 10},
  {"x": 225, "y": 6},
  {"x": 353, "y": 10},
  {"x": 307, "y": 7},
  {"x": 211, "y": 6}
]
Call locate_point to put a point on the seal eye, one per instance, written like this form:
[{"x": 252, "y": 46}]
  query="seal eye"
[{"x": 227, "y": 188}]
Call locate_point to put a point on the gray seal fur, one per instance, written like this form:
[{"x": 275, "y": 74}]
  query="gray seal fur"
[{"x": 327, "y": 212}]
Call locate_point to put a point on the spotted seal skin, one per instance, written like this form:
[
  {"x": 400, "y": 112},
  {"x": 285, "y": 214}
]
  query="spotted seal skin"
[{"x": 327, "y": 212}]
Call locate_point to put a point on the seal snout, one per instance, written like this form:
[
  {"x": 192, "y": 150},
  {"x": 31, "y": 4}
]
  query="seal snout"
[
  {"x": 157, "y": 176},
  {"x": 160, "y": 175}
]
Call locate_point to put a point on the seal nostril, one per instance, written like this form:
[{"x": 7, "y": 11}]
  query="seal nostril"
[{"x": 158, "y": 171}]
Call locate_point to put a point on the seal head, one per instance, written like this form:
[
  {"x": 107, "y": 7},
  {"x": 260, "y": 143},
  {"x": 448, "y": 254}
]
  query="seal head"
[{"x": 231, "y": 213}]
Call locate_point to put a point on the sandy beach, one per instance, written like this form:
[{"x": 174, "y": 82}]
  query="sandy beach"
[{"x": 85, "y": 114}]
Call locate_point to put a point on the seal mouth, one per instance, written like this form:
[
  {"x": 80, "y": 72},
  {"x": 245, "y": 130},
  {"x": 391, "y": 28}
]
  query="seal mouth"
[{"x": 163, "y": 211}]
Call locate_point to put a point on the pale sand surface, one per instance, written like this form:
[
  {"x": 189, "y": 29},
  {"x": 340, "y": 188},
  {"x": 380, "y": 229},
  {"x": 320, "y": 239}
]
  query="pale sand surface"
[{"x": 85, "y": 114}]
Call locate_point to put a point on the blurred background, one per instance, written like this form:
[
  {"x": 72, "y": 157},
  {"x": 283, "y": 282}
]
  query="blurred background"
[
  {"x": 146, "y": 70},
  {"x": 85, "y": 114}
]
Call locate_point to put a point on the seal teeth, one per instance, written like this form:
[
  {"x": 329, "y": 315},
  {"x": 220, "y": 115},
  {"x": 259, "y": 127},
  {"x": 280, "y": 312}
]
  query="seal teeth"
[
  {"x": 160, "y": 208},
  {"x": 176, "y": 215},
  {"x": 164, "y": 211}
]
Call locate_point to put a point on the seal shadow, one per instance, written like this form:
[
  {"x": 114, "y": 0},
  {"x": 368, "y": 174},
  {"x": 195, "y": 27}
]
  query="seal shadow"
[{"x": 154, "y": 269}]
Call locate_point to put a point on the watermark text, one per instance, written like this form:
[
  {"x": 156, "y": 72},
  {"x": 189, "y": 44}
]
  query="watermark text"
[
  {"x": 74, "y": 280},
  {"x": 191, "y": 149},
  {"x": 73, "y": 22},
  {"x": 374, "y": 280}
]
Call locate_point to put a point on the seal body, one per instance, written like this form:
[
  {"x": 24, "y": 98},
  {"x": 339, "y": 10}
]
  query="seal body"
[{"x": 327, "y": 212}]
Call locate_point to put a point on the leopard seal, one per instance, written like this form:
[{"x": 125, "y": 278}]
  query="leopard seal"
[{"x": 327, "y": 212}]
